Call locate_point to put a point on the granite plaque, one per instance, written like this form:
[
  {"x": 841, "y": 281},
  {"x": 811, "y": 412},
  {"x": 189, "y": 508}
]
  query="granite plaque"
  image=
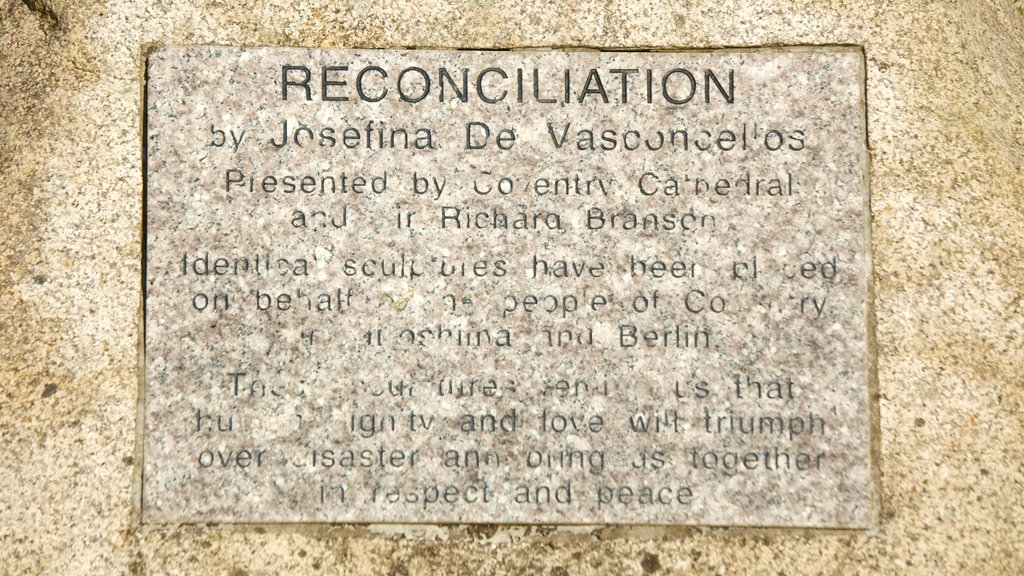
[{"x": 507, "y": 287}]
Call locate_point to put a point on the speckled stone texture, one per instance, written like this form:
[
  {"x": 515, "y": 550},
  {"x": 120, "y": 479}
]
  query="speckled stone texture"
[
  {"x": 945, "y": 135},
  {"x": 649, "y": 307}
]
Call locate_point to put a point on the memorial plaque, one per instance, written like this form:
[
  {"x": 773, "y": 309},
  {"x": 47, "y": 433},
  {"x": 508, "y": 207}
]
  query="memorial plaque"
[{"x": 507, "y": 287}]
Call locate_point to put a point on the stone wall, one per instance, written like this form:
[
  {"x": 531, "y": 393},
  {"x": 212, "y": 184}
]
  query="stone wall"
[{"x": 946, "y": 136}]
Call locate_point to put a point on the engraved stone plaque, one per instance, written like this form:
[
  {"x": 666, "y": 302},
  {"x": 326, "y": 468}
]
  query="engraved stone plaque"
[{"x": 507, "y": 287}]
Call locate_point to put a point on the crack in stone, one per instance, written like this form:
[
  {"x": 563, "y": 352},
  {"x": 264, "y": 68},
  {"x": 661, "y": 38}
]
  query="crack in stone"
[{"x": 46, "y": 14}]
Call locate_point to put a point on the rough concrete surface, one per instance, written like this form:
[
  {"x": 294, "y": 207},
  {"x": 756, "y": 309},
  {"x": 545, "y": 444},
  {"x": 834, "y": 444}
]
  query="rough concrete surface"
[{"x": 946, "y": 135}]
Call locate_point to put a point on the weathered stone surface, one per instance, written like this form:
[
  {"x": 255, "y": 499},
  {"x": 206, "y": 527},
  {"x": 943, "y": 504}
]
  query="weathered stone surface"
[
  {"x": 520, "y": 287},
  {"x": 945, "y": 133}
]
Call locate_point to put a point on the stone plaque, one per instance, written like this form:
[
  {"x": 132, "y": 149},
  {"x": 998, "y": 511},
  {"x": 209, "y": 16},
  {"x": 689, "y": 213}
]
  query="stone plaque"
[{"x": 507, "y": 287}]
